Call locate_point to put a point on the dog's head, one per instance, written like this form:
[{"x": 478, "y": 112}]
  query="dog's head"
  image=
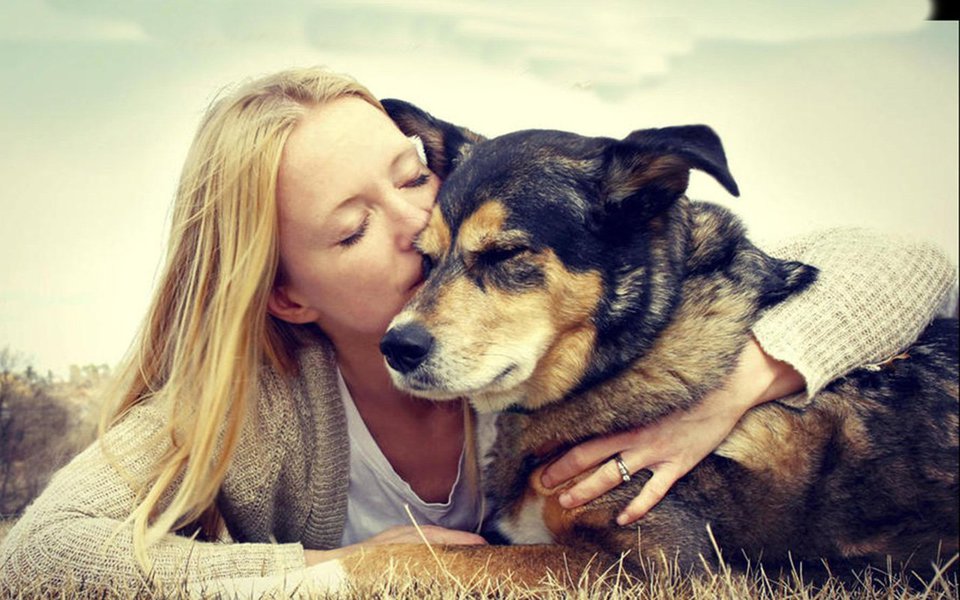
[{"x": 532, "y": 254}]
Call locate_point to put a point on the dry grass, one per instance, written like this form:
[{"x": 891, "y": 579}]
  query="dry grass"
[
  {"x": 660, "y": 584},
  {"x": 669, "y": 584},
  {"x": 5, "y": 526}
]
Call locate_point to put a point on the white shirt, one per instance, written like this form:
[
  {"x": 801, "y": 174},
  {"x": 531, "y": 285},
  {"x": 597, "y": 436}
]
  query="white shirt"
[{"x": 377, "y": 494}]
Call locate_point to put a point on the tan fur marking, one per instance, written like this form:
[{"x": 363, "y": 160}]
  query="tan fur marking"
[
  {"x": 434, "y": 139},
  {"x": 506, "y": 313},
  {"x": 855, "y": 433},
  {"x": 559, "y": 520},
  {"x": 497, "y": 318},
  {"x": 573, "y": 299},
  {"x": 876, "y": 546},
  {"x": 757, "y": 440},
  {"x": 669, "y": 170},
  {"x": 554, "y": 320},
  {"x": 435, "y": 238},
  {"x": 482, "y": 226},
  {"x": 449, "y": 304},
  {"x": 561, "y": 367},
  {"x": 774, "y": 440},
  {"x": 573, "y": 296}
]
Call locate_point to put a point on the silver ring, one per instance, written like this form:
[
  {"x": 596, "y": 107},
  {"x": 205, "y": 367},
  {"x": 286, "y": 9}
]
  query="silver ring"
[{"x": 624, "y": 471}]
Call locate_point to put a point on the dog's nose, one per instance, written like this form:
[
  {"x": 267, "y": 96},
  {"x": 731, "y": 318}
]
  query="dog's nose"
[{"x": 406, "y": 347}]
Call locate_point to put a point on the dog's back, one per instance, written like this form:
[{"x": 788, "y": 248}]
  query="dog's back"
[
  {"x": 868, "y": 470},
  {"x": 895, "y": 454}
]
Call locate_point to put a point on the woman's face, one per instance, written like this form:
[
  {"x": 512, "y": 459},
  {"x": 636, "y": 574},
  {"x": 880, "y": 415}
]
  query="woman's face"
[{"x": 352, "y": 195}]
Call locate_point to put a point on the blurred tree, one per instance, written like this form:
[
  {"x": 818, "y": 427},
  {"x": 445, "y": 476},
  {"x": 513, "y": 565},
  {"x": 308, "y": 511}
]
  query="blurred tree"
[{"x": 39, "y": 431}]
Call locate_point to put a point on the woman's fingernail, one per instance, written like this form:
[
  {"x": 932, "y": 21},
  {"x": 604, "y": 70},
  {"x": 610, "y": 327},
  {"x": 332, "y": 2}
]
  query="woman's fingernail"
[
  {"x": 566, "y": 500},
  {"x": 546, "y": 480},
  {"x": 622, "y": 519}
]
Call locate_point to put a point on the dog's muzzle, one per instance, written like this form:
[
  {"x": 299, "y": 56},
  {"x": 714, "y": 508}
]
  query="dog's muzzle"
[{"x": 406, "y": 347}]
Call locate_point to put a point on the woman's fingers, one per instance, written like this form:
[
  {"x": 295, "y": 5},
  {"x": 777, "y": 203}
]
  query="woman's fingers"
[
  {"x": 653, "y": 492},
  {"x": 601, "y": 481},
  {"x": 582, "y": 457},
  {"x": 608, "y": 476}
]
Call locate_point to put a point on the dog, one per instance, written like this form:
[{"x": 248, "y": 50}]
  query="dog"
[{"x": 574, "y": 288}]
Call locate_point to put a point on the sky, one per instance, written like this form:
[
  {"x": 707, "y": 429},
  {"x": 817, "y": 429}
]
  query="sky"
[{"x": 831, "y": 113}]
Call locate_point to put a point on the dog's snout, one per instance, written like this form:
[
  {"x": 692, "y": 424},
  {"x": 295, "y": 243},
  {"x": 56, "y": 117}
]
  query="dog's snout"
[{"x": 406, "y": 347}]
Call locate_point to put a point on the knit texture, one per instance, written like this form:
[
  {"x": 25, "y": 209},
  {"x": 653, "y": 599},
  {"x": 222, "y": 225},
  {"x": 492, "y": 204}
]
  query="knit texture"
[
  {"x": 286, "y": 488},
  {"x": 874, "y": 295}
]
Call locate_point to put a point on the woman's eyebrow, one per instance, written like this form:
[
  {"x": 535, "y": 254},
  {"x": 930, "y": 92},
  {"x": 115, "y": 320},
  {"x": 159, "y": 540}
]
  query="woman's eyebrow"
[
  {"x": 341, "y": 206},
  {"x": 409, "y": 151}
]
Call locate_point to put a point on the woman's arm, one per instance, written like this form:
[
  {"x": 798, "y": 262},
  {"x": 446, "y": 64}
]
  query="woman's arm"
[
  {"x": 75, "y": 533},
  {"x": 874, "y": 295},
  {"x": 675, "y": 444}
]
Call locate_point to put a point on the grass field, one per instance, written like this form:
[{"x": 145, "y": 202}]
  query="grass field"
[
  {"x": 664, "y": 584},
  {"x": 706, "y": 587}
]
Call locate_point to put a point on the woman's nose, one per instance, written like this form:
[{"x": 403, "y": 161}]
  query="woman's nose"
[{"x": 409, "y": 221}]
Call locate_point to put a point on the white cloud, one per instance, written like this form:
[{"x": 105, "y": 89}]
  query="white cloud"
[
  {"x": 774, "y": 22},
  {"x": 610, "y": 44},
  {"x": 35, "y": 20}
]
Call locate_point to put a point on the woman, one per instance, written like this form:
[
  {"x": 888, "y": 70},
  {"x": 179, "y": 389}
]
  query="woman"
[{"x": 295, "y": 215}]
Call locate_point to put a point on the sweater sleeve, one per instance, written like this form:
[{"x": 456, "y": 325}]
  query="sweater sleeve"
[
  {"x": 74, "y": 532},
  {"x": 873, "y": 297}
]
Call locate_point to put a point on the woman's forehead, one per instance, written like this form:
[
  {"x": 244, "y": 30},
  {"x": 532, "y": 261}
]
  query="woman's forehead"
[
  {"x": 346, "y": 130},
  {"x": 336, "y": 150}
]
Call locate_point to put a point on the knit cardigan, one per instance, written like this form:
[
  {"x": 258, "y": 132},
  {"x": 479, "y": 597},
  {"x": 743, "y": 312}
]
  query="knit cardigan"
[{"x": 286, "y": 488}]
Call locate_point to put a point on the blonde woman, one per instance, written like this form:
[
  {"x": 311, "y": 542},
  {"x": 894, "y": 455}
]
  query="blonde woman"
[{"x": 255, "y": 407}]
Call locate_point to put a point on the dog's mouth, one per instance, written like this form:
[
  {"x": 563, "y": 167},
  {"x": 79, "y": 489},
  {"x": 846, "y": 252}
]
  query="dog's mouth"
[
  {"x": 424, "y": 384},
  {"x": 503, "y": 375}
]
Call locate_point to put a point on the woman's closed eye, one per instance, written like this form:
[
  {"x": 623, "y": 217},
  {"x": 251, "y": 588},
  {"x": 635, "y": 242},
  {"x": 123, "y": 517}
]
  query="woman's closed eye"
[
  {"x": 357, "y": 234},
  {"x": 419, "y": 180}
]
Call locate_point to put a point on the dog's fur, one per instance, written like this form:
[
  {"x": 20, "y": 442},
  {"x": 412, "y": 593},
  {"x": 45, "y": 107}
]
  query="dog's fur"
[{"x": 575, "y": 287}]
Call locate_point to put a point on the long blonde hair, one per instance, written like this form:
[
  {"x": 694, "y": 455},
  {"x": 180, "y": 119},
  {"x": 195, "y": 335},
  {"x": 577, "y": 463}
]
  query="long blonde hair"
[{"x": 208, "y": 332}]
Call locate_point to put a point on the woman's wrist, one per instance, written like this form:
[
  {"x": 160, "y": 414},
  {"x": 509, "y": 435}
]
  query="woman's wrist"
[{"x": 764, "y": 378}]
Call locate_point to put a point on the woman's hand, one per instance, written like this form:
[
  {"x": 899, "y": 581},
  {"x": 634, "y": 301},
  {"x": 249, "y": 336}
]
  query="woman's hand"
[
  {"x": 672, "y": 446},
  {"x": 402, "y": 534}
]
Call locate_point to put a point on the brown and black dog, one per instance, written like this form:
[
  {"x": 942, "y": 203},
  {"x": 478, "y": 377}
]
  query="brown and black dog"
[{"x": 574, "y": 287}]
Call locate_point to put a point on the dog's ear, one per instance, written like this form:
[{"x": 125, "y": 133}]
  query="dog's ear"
[
  {"x": 783, "y": 278},
  {"x": 445, "y": 144},
  {"x": 650, "y": 168}
]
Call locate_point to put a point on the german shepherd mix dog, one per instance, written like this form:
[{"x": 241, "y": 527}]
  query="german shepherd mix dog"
[{"x": 574, "y": 287}]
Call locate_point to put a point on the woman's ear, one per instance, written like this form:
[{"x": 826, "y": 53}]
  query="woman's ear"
[{"x": 285, "y": 308}]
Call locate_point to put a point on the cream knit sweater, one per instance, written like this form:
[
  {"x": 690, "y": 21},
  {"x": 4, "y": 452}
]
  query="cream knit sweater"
[{"x": 286, "y": 489}]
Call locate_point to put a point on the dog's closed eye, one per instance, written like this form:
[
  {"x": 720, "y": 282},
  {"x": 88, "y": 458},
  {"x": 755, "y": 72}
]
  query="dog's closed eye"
[{"x": 500, "y": 254}]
